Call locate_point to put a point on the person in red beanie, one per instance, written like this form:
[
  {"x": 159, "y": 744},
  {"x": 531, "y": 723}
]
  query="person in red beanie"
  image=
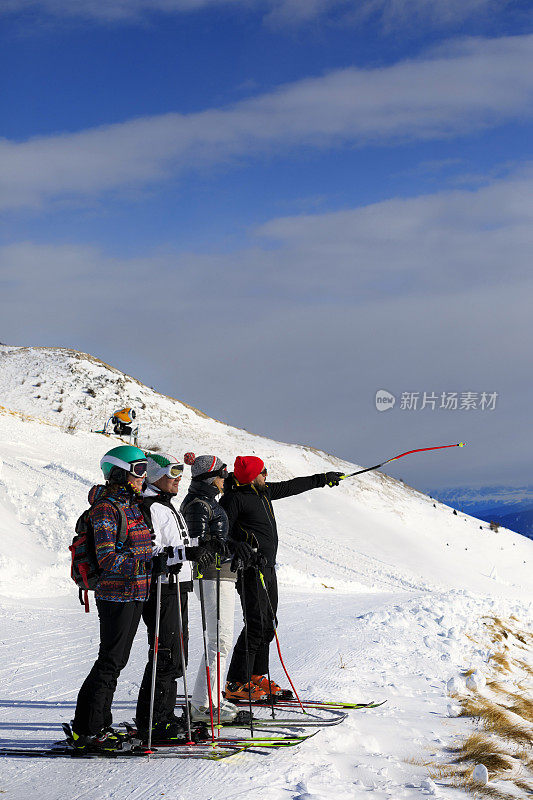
[{"x": 247, "y": 500}]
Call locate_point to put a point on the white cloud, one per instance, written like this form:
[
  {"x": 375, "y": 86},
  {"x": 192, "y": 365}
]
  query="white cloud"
[
  {"x": 429, "y": 243},
  {"x": 473, "y": 84},
  {"x": 115, "y": 10},
  {"x": 427, "y": 293},
  {"x": 393, "y": 14},
  {"x": 390, "y": 13}
]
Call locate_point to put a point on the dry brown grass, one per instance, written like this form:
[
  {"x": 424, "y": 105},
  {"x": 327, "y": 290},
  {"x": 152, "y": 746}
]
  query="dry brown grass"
[
  {"x": 525, "y": 786},
  {"x": 497, "y": 719},
  {"x": 501, "y": 662},
  {"x": 481, "y": 749},
  {"x": 524, "y": 666},
  {"x": 504, "y": 741},
  {"x": 478, "y": 790},
  {"x": 508, "y": 630},
  {"x": 518, "y": 704}
]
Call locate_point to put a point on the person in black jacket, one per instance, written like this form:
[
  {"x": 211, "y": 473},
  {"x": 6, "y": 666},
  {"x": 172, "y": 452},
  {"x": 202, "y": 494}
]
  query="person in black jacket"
[
  {"x": 207, "y": 523},
  {"x": 247, "y": 501}
]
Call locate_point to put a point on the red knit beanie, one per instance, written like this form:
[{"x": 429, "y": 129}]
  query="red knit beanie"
[{"x": 246, "y": 468}]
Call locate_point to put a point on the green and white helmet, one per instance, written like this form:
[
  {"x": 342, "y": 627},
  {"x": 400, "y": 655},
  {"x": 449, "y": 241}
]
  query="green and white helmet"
[
  {"x": 128, "y": 459},
  {"x": 161, "y": 465}
]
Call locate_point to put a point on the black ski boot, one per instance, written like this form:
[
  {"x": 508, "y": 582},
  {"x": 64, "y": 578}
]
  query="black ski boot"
[{"x": 107, "y": 740}]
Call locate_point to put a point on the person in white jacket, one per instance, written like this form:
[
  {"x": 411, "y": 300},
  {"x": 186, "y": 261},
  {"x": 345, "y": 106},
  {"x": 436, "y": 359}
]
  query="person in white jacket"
[{"x": 172, "y": 552}]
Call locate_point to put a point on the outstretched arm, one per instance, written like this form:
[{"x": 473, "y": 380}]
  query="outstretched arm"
[{"x": 299, "y": 485}]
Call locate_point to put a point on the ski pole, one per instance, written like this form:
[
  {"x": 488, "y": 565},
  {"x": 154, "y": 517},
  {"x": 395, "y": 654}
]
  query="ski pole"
[
  {"x": 217, "y": 565},
  {"x": 154, "y": 660},
  {"x": 277, "y": 642},
  {"x": 263, "y": 637},
  {"x": 395, "y": 458},
  {"x": 182, "y": 656},
  {"x": 206, "y": 660},
  {"x": 247, "y": 649}
]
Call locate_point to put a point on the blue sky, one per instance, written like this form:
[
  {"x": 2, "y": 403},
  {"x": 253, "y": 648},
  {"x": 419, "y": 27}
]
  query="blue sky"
[{"x": 301, "y": 201}]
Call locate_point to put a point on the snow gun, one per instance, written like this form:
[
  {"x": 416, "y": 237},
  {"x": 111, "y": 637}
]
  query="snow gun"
[{"x": 395, "y": 458}]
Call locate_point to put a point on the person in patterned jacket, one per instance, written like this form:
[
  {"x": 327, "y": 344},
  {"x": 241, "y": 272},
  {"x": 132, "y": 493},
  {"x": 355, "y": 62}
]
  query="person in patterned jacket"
[{"x": 122, "y": 589}]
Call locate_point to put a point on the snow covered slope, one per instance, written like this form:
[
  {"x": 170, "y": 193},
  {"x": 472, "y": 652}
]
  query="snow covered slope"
[
  {"x": 380, "y": 590},
  {"x": 391, "y": 534}
]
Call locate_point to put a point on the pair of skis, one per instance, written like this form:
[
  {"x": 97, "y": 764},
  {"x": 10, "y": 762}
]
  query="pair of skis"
[
  {"x": 223, "y": 747},
  {"x": 203, "y": 750}
]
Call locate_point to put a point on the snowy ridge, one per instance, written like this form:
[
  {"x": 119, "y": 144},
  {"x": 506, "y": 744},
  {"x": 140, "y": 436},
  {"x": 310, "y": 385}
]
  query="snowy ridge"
[
  {"x": 381, "y": 588},
  {"x": 500, "y": 499}
]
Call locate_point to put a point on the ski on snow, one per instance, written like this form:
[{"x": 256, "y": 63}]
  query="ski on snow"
[
  {"x": 206, "y": 751},
  {"x": 318, "y": 704},
  {"x": 290, "y": 740},
  {"x": 299, "y": 720},
  {"x": 293, "y": 703}
]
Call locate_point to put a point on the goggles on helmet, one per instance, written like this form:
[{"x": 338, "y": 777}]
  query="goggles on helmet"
[
  {"x": 174, "y": 471},
  {"x": 137, "y": 468}
]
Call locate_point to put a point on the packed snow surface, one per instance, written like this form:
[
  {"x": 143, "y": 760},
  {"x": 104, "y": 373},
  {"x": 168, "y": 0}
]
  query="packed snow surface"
[{"x": 382, "y": 590}]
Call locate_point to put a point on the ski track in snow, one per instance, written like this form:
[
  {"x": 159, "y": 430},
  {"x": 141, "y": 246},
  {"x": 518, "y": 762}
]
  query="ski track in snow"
[{"x": 379, "y": 588}]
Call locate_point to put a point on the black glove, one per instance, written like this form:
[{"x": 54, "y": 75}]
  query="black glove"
[
  {"x": 334, "y": 478},
  {"x": 159, "y": 564},
  {"x": 220, "y": 547},
  {"x": 174, "y": 569},
  {"x": 203, "y": 555},
  {"x": 261, "y": 561},
  {"x": 243, "y": 556}
]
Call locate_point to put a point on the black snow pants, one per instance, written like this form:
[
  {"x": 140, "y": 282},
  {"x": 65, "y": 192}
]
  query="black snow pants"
[
  {"x": 118, "y": 626},
  {"x": 168, "y": 655},
  {"x": 258, "y": 615}
]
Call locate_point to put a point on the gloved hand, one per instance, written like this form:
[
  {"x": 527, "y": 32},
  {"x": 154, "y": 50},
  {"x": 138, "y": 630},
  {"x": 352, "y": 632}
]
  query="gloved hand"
[
  {"x": 334, "y": 478},
  {"x": 174, "y": 569},
  {"x": 203, "y": 555},
  {"x": 159, "y": 564},
  {"x": 220, "y": 547},
  {"x": 261, "y": 561},
  {"x": 243, "y": 556}
]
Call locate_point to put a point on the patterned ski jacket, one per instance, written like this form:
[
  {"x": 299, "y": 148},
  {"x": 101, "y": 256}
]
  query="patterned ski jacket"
[{"x": 126, "y": 572}]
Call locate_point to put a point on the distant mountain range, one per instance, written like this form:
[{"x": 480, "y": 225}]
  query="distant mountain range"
[{"x": 509, "y": 506}]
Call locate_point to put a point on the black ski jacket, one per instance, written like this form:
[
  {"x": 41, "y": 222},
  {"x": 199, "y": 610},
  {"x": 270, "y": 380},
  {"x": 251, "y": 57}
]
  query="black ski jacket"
[
  {"x": 206, "y": 520},
  {"x": 250, "y": 513}
]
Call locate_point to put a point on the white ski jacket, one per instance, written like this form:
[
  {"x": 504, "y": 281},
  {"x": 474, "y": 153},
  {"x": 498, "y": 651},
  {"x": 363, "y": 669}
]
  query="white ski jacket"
[{"x": 170, "y": 530}]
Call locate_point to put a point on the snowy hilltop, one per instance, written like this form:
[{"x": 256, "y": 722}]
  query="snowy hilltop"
[{"x": 383, "y": 595}]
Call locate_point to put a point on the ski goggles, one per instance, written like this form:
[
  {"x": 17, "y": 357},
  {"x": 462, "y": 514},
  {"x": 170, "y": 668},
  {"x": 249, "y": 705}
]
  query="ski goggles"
[
  {"x": 137, "y": 468},
  {"x": 264, "y": 472},
  {"x": 221, "y": 472},
  {"x": 174, "y": 471}
]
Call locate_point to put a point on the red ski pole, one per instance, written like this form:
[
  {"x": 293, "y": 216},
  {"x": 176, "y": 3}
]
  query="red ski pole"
[
  {"x": 395, "y": 458},
  {"x": 277, "y": 642}
]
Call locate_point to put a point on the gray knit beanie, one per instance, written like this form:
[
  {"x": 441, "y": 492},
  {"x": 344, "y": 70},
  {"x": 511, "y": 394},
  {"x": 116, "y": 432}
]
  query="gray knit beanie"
[{"x": 203, "y": 464}]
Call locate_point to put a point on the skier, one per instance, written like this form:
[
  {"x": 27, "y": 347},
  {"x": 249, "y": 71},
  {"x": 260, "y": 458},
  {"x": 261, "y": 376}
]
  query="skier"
[
  {"x": 207, "y": 520},
  {"x": 121, "y": 591},
  {"x": 170, "y": 535},
  {"x": 247, "y": 501}
]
